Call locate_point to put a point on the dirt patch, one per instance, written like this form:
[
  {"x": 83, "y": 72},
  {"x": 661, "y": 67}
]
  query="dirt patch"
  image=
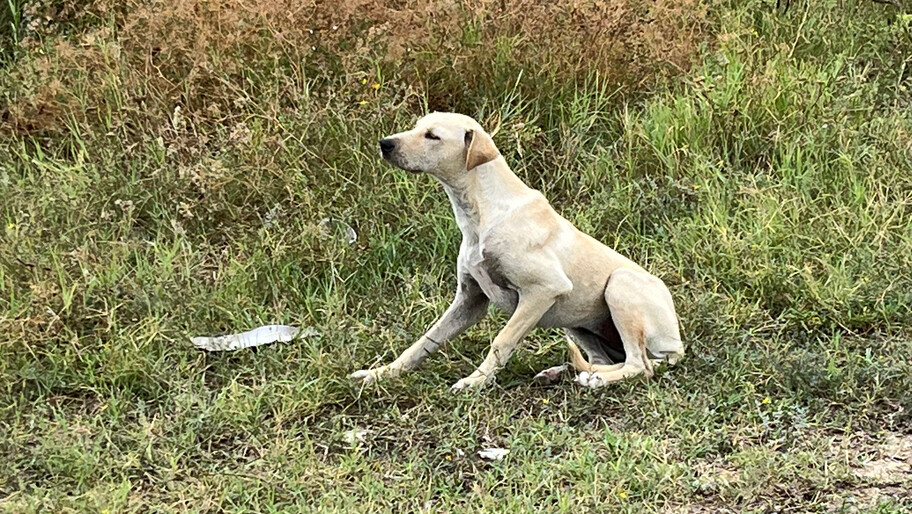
[
  {"x": 880, "y": 465},
  {"x": 886, "y": 476},
  {"x": 892, "y": 462},
  {"x": 866, "y": 498}
]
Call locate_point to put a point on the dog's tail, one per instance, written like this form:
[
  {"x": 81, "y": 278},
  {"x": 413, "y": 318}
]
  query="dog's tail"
[
  {"x": 576, "y": 358},
  {"x": 581, "y": 364}
]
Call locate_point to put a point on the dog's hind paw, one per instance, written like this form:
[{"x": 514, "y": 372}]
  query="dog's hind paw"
[
  {"x": 604, "y": 377},
  {"x": 587, "y": 379}
]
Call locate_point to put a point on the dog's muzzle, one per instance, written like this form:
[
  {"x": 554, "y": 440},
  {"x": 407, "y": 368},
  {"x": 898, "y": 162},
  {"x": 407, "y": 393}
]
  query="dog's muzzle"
[
  {"x": 388, "y": 151},
  {"x": 387, "y": 146}
]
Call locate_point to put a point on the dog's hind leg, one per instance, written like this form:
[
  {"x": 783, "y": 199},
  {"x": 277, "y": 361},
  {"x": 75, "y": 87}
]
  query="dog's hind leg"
[
  {"x": 596, "y": 348},
  {"x": 578, "y": 338},
  {"x": 643, "y": 312}
]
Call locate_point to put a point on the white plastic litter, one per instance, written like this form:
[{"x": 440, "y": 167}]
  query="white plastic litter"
[
  {"x": 355, "y": 436},
  {"x": 493, "y": 453},
  {"x": 339, "y": 228},
  {"x": 550, "y": 375},
  {"x": 259, "y": 336}
]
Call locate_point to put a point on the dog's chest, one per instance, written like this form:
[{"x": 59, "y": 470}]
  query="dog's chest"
[{"x": 490, "y": 276}]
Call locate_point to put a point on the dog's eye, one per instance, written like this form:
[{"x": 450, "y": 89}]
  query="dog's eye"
[{"x": 430, "y": 135}]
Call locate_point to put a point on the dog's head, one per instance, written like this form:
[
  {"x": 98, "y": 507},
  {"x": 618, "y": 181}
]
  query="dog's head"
[{"x": 443, "y": 144}]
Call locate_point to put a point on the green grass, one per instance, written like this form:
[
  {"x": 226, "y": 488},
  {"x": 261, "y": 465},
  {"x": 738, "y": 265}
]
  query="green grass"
[{"x": 770, "y": 186}]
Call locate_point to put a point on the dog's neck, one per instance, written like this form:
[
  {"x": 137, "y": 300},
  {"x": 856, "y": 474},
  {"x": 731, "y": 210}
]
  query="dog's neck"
[{"x": 483, "y": 195}]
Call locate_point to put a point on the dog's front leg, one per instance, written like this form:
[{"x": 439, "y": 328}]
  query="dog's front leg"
[
  {"x": 528, "y": 312},
  {"x": 467, "y": 309}
]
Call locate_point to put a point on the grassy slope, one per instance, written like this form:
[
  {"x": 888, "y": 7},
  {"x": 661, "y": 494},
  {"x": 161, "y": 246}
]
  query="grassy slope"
[{"x": 770, "y": 186}]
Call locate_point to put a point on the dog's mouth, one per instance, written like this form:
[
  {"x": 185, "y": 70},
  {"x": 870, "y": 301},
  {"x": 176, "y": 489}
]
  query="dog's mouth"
[{"x": 391, "y": 158}]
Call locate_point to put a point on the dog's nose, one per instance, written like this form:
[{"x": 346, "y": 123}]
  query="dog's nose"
[{"x": 387, "y": 145}]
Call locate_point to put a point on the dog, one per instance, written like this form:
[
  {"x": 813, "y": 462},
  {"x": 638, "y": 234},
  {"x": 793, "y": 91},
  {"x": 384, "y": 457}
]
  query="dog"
[{"x": 522, "y": 256}]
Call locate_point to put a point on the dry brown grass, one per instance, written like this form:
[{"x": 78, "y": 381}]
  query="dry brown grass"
[{"x": 149, "y": 56}]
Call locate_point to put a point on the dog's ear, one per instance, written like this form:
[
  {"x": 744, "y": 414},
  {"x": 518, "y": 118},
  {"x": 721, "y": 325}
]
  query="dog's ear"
[{"x": 480, "y": 149}]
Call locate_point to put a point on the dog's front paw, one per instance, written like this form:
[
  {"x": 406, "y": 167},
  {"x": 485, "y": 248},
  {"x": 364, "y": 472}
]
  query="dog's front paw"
[
  {"x": 468, "y": 383},
  {"x": 367, "y": 376}
]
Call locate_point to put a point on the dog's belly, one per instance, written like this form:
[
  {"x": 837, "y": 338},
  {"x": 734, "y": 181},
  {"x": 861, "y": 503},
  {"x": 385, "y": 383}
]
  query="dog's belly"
[
  {"x": 576, "y": 310},
  {"x": 584, "y": 306}
]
